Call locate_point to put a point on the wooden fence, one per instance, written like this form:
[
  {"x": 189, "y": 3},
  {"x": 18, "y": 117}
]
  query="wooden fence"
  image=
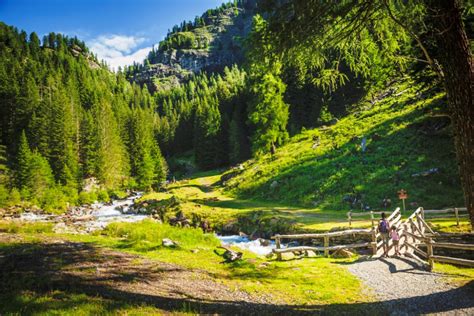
[
  {"x": 417, "y": 233},
  {"x": 457, "y": 211},
  {"x": 326, "y": 238},
  {"x": 417, "y": 239},
  {"x": 371, "y": 215}
]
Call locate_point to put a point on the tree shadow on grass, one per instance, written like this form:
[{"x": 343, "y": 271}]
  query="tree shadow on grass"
[
  {"x": 387, "y": 164},
  {"x": 75, "y": 269}
]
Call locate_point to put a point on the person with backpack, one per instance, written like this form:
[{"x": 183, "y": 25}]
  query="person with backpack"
[{"x": 383, "y": 229}]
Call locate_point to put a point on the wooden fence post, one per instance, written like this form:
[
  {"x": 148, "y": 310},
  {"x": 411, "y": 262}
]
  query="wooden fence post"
[
  {"x": 422, "y": 212},
  {"x": 278, "y": 246},
  {"x": 457, "y": 216},
  {"x": 349, "y": 215},
  {"x": 405, "y": 229},
  {"x": 326, "y": 244},
  {"x": 372, "y": 218},
  {"x": 429, "y": 244},
  {"x": 374, "y": 242}
]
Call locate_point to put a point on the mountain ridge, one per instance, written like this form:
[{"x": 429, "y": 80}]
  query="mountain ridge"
[{"x": 209, "y": 44}]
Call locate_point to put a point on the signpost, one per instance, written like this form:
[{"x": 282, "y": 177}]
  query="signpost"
[{"x": 402, "y": 195}]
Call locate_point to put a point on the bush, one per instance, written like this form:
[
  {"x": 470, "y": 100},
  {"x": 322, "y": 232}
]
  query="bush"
[
  {"x": 148, "y": 234},
  {"x": 54, "y": 200},
  {"x": 87, "y": 197},
  {"x": 118, "y": 194},
  {"x": 103, "y": 196},
  {"x": 3, "y": 196},
  {"x": 14, "y": 197}
]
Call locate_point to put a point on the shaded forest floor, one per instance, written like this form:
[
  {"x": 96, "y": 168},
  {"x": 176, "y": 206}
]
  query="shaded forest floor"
[
  {"x": 56, "y": 275},
  {"x": 52, "y": 274}
]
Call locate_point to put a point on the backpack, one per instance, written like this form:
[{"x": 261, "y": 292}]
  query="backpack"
[{"x": 383, "y": 226}]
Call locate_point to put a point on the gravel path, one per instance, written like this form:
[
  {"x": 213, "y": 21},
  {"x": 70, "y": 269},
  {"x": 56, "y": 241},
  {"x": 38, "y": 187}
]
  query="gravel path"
[{"x": 406, "y": 289}]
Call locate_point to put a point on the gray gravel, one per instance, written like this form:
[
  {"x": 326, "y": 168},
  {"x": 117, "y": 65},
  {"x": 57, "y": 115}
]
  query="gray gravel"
[{"x": 407, "y": 289}]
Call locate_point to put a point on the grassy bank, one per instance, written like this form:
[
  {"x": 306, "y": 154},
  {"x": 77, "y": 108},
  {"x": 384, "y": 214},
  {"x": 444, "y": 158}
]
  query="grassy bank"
[
  {"x": 409, "y": 145},
  {"x": 309, "y": 282}
]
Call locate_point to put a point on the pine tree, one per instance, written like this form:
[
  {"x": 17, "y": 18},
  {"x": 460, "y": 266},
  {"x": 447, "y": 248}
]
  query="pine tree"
[
  {"x": 111, "y": 164},
  {"x": 23, "y": 157},
  {"x": 268, "y": 113}
]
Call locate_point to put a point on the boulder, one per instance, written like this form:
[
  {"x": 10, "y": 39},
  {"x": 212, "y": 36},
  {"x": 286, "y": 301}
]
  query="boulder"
[
  {"x": 342, "y": 253},
  {"x": 264, "y": 242},
  {"x": 169, "y": 243}
]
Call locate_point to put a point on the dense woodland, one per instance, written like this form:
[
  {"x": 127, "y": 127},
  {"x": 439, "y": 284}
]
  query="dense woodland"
[{"x": 66, "y": 119}]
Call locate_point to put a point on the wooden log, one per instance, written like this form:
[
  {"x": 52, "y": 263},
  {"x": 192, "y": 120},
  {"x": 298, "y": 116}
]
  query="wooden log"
[
  {"x": 317, "y": 248},
  {"x": 396, "y": 220},
  {"x": 419, "y": 218},
  {"x": 447, "y": 210},
  {"x": 447, "y": 216},
  {"x": 457, "y": 216},
  {"x": 417, "y": 259},
  {"x": 451, "y": 260},
  {"x": 331, "y": 234},
  {"x": 418, "y": 211},
  {"x": 278, "y": 246},
  {"x": 416, "y": 236},
  {"x": 414, "y": 227},
  {"x": 364, "y": 214},
  {"x": 326, "y": 246},
  {"x": 453, "y": 246},
  {"x": 417, "y": 250},
  {"x": 374, "y": 243},
  {"x": 395, "y": 213},
  {"x": 429, "y": 252}
]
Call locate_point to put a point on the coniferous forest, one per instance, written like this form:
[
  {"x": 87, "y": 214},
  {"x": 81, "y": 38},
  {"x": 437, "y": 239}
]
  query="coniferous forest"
[
  {"x": 66, "y": 119},
  {"x": 255, "y": 119}
]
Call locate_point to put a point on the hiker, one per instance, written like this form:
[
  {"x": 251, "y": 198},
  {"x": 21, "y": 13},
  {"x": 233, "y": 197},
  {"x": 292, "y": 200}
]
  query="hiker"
[
  {"x": 395, "y": 239},
  {"x": 383, "y": 229}
]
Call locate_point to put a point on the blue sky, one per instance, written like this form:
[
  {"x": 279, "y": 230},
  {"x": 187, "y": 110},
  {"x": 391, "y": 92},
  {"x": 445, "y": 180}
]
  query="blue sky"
[{"x": 118, "y": 31}]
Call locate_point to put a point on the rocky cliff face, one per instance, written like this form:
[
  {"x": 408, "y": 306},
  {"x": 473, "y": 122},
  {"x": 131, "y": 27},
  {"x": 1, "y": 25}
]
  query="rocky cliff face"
[{"x": 211, "y": 47}]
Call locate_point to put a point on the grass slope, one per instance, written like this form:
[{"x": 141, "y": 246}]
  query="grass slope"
[
  {"x": 405, "y": 136},
  {"x": 307, "y": 283}
]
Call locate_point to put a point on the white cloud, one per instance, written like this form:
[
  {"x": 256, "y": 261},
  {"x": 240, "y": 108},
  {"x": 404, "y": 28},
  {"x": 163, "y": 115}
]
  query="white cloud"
[{"x": 119, "y": 50}]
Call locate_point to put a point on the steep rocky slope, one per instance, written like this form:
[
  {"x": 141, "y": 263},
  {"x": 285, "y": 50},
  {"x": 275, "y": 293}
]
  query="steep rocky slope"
[{"x": 210, "y": 43}]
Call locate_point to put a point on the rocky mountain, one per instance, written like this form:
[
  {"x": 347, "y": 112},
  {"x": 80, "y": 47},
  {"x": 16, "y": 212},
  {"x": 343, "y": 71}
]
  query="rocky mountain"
[{"x": 209, "y": 43}]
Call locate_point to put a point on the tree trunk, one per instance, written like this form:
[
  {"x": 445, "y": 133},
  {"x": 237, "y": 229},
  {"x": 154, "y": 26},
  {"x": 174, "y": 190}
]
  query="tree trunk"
[{"x": 455, "y": 58}]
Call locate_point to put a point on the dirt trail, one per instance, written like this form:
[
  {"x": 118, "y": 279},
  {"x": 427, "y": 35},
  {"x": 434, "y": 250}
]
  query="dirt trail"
[{"x": 407, "y": 289}]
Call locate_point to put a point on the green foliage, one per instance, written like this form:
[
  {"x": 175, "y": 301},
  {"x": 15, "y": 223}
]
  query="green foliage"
[
  {"x": 324, "y": 37},
  {"x": 148, "y": 235},
  {"x": 268, "y": 113},
  {"x": 206, "y": 131},
  {"x": 87, "y": 197},
  {"x": 147, "y": 164},
  {"x": 13, "y": 227},
  {"x": 64, "y": 118},
  {"x": 319, "y": 167}
]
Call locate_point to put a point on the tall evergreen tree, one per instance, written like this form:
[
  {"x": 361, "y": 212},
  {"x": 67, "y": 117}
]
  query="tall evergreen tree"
[{"x": 268, "y": 112}]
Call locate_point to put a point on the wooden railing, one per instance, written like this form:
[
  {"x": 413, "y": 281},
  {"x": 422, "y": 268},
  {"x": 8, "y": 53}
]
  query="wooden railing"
[
  {"x": 457, "y": 211},
  {"x": 351, "y": 215},
  {"x": 414, "y": 232},
  {"x": 326, "y": 237}
]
